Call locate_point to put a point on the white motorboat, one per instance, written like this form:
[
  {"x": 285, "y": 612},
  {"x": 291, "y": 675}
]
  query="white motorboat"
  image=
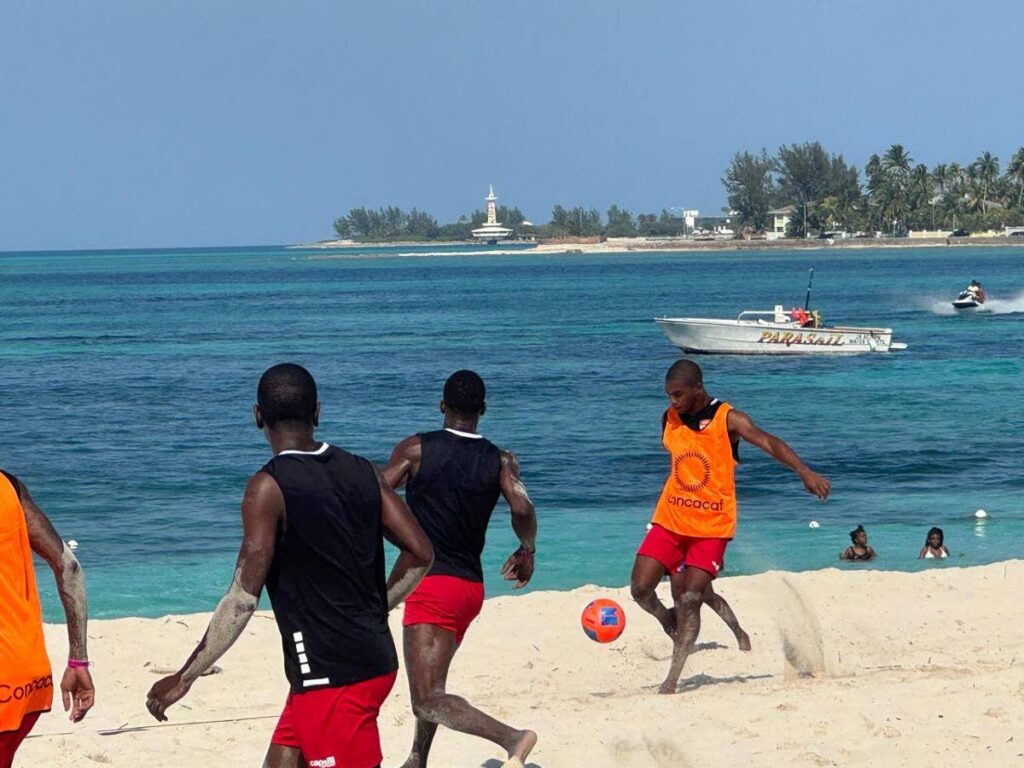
[{"x": 773, "y": 333}]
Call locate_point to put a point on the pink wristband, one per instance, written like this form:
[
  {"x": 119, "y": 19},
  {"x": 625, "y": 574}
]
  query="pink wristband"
[{"x": 78, "y": 664}]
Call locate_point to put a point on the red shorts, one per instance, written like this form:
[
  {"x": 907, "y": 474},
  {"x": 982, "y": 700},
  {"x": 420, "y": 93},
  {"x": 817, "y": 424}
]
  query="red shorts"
[
  {"x": 445, "y": 601},
  {"x": 336, "y": 727},
  {"x": 11, "y": 740},
  {"x": 675, "y": 551}
]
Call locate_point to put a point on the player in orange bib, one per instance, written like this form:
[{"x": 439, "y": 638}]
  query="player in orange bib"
[
  {"x": 26, "y": 680},
  {"x": 696, "y": 515}
]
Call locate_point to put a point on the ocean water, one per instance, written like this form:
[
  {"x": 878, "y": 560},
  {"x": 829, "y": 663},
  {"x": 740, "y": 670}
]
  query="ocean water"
[{"x": 128, "y": 379}]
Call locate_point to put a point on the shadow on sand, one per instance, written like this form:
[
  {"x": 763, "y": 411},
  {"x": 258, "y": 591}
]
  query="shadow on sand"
[
  {"x": 492, "y": 763},
  {"x": 712, "y": 646},
  {"x": 700, "y": 681}
]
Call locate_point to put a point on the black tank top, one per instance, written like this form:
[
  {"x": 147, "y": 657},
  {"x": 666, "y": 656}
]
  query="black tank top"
[
  {"x": 452, "y": 496},
  {"x": 326, "y": 581}
]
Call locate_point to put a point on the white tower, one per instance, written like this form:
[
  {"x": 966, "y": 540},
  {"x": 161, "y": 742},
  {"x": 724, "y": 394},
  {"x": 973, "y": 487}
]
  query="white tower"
[{"x": 492, "y": 231}]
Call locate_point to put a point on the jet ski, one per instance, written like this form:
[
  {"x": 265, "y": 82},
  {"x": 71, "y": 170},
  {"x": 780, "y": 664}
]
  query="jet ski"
[{"x": 968, "y": 300}]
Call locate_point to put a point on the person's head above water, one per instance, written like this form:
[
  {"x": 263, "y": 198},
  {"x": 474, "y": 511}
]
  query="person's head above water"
[
  {"x": 859, "y": 536},
  {"x": 464, "y": 395},
  {"x": 286, "y": 396},
  {"x": 684, "y": 386},
  {"x": 935, "y": 538}
]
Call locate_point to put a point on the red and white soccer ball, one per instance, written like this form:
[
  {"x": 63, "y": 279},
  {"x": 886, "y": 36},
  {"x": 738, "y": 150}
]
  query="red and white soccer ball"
[{"x": 603, "y": 620}]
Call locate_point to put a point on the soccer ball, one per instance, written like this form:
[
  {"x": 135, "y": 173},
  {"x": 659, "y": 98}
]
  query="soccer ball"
[{"x": 603, "y": 620}]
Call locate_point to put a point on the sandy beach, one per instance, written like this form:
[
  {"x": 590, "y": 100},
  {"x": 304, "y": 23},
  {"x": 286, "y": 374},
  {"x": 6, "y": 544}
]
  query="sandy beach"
[
  {"x": 848, "y": 668},
  {"x": 347, "y": 249}
]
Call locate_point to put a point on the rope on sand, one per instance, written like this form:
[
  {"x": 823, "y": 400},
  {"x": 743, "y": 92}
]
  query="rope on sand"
[{"x": 136, "y": 728}]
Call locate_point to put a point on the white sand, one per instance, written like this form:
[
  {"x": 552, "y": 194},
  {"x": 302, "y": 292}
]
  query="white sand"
[{"x": 907, "y": 670}]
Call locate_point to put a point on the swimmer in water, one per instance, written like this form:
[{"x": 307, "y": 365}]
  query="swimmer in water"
[
  {"x": 933, "y": 546},
  {"x": 859, "y": 550}
]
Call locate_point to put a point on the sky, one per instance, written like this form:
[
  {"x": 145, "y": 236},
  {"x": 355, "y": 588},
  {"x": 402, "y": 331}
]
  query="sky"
[{"x": 130, "y": 124}]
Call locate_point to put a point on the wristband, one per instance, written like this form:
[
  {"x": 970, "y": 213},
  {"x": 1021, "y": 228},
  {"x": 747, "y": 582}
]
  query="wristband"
[
  {"x": 527, "y": 550},
  {"x": 79, "y": 664}
]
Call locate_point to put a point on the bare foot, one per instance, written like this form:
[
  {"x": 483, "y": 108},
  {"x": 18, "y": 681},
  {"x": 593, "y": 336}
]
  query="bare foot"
[
  {"x": 525, "y": 743},
  {"x": 667, "y": 688},
  {"x": 744, "y": 640}
]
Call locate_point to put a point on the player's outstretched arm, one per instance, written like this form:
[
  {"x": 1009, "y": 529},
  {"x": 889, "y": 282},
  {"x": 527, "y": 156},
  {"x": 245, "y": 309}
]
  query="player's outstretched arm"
[
  {"x": 743, "y": 426},
  {"x": 520, "y": 564},
  {"x": 262, "y": 510},
  {"x": 404, "y": 461},
  {"x": 76, "y": 684},
  {"x": 402, "y": 530}
]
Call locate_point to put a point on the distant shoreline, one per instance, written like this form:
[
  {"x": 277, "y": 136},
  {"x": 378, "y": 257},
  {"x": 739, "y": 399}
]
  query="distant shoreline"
[{"x": 625, "y": 245}]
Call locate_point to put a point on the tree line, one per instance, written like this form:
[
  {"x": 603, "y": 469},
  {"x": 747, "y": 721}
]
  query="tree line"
[
  {"x": 897, "y": 194},
  {"x": 394, "y": 224}
]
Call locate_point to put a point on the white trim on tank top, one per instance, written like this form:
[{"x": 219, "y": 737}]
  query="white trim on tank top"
[
  {"x": 323, "y": 447},
  {"x": 471, "y": 435}
]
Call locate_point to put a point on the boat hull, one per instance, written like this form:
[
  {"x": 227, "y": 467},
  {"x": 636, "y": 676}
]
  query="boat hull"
[{"x": 739, "y": 337}]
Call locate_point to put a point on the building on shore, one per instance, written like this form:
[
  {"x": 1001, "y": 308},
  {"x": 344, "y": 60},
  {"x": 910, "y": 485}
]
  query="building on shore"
[
  {"x": 780, "y": 220},
  {"x": 492, "y": 231}
]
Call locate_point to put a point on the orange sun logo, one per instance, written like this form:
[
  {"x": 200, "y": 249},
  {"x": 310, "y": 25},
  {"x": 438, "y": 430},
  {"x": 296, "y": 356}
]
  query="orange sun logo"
[{"x": 691, "y": 470}]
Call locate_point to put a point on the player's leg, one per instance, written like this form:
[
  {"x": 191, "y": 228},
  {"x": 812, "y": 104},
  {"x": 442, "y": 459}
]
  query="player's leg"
[
  {"x": 718, "y": 604},
  {"x": 687, "y": 594},
  {"x": 643, "y": 584},
  {"x": 659, "y": 554},
  {"x": 11, "y": 740},
  {"x": 284, "y": 749},
  {"x": 280, "y": 756},
  {"x": 429, "y": 651}
]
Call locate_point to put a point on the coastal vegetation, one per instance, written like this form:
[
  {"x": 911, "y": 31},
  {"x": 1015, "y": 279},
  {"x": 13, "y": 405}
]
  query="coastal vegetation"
[
  {"x": 825, "y": 192},
  {"x": 392, "y": 224},
  {"x": 897, "y": 194}
]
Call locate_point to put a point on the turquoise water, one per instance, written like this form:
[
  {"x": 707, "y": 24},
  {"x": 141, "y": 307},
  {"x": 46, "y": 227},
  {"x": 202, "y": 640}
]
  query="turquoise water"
[{"x": 128, "y": 379}]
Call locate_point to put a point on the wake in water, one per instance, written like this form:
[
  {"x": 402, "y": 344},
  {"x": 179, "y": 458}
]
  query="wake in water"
[{"x": 992, "y": 306}]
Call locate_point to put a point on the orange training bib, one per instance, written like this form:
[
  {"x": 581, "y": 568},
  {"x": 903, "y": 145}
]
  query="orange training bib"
[
  {"x": 26, "y": 684},
  {"x": 699, "y": 498}
]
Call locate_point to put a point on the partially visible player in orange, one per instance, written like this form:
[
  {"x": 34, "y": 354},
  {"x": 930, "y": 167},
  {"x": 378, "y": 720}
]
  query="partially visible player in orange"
[
  {"x": 26, "y": 680},
  {"x": 696, "y": 515}
]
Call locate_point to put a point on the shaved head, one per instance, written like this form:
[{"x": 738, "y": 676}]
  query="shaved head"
[
  {"x": 686, "y": 372},
  {"x": 287, "y": 392}
]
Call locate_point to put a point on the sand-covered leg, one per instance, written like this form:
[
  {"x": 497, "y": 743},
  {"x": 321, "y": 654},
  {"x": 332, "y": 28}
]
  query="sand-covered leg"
[
  {"x": 719, "y": 605},
  {"x": 643, "y": 583},
  {"x": 421, "y": 743},
  {"x": 688, "y": 594},
  {"x": 429, "y": 650}
]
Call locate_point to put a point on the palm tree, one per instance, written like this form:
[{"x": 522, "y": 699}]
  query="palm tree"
[
  {"x": 897, "y": 160},
  {"x": 941, "y": 177},
  {"x": 987, "y": 169},
  {"x": 895, "y": 165},
  {"x": 956, "y": 176},
  {"x": 1015, "y": 172}
]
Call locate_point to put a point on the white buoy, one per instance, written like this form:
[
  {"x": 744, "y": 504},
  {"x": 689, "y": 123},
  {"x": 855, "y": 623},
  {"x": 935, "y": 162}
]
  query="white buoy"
[
  {"x": 814, "y": 524},
  {"x": 72, "y": 545},
  {"x": 981, "y": 514}
]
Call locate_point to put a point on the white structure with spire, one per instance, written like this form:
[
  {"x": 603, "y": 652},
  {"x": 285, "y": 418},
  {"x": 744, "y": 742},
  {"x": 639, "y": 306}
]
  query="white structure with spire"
[{"x": 492, "y": 231}]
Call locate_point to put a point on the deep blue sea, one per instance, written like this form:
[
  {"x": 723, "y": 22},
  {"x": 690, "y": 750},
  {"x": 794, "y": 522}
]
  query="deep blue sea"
[{"x": 128, "y": 378}]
